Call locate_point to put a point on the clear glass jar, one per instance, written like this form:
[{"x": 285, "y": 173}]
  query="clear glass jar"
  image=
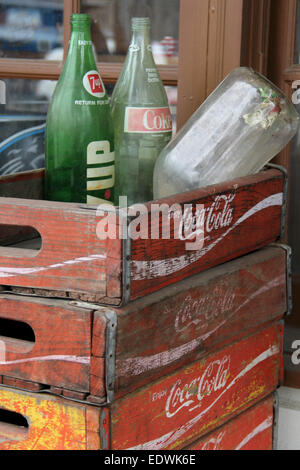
[{"x": 241, "y": 126}]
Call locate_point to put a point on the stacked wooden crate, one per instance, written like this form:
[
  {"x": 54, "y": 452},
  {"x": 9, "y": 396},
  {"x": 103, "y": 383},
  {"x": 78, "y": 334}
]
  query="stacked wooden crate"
[{"x": 139, "y": 343}]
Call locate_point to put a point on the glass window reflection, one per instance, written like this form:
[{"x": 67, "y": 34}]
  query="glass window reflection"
[
  {"x": 31, "y": 28},
  {"x": 111, "y": 31},
  {"x": 22, "y": 124}
]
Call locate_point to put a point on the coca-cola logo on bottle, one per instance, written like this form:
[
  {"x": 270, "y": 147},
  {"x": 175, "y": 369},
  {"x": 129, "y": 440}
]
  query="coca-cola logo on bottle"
[
  {"x": 147, "y": 120},
  {"x": 93, "y": 84}
]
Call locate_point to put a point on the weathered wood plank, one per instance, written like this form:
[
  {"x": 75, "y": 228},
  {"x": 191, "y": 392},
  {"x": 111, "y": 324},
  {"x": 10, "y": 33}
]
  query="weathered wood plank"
[
  {"x": 171, "y": 413},
  {"x": 72, "y": 258},
  {"x": 61, "y": 352},
  {"x": 155, "y": 335},
  {"x": 53, "y": 423},
  {"x": 251, "y": 430},
  {"x": 29, "y": 185},
  {"x": 185, "y": 322},
  {"x": 180, "y": 408},
  {"x": 238, "y": 217}
]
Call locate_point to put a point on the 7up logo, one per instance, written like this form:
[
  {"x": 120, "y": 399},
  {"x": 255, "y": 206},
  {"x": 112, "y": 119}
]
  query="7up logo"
[{"x": 93, "y": 84}]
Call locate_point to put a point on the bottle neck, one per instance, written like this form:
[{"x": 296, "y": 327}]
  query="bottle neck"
[
  {"x": 140, "y": 39},
  {"x": 80, "y": 54}
]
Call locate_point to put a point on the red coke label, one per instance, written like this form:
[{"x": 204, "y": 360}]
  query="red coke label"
[{"x": 147, "y": 120}]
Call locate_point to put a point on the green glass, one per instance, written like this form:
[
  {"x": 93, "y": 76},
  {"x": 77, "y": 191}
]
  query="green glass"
[
  {"x": 141, "y": 116},
  {"x": 79, "y": 130}
]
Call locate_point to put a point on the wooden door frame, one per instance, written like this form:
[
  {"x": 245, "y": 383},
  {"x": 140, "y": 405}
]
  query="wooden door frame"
[
  {"x": 281, "y": 69},
  {"x": 209, "y": 48}
]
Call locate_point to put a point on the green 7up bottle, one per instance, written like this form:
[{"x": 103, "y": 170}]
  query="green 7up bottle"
[{"x": 79, "y": 130}]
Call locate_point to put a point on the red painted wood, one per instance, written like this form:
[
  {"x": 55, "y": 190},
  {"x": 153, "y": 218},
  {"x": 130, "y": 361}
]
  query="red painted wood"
[
  {"x": 183, "y": 323},
  {"x": 27, "y": 178},
  {"x": 251, "y": 430},
  {"x": 27, "y": 185},
  {"x": 180, "y": 408},
  {"x": 61, "y": 353},
  {"x": 72, "y": 257},
  {"x": 155, "y": 335},
  {"x": 53, "y": 423},
  {"x": 240, "y": 216},
  {"x": 170, "y": 413}
]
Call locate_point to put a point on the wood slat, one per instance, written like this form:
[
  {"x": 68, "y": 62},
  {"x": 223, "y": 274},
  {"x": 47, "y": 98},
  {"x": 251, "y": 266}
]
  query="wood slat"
[
  {"x": 251, "y": 430},
  {"x": 53, "y": 423},
  {"x": 180, "y": 408},
  {"x": 167, "y": 414},
  {"x": 154, "y": 336},
  {"x": 240, "y": 216}
]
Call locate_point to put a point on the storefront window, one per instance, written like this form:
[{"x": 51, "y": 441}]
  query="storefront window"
[
  {"x": 22, "y": 121},
  {"x": 31, "y": 29},
  {"x": 111, "y": 27}
]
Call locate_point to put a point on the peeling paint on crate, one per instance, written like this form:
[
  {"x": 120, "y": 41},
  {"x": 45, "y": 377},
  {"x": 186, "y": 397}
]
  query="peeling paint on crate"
[
  {"x": 52, "y": 423},
  {"x": 11, "y": 272},
  {"x": 267, "y": 423},
  {"x": 169, "y": 438},
  {"x": 183, "y": 406},
  {"x": 137, "y": 365},
  {"x": 142, "y": 270},
  {"x": 76, "y": 359},
  {"x": 250, "y": 430}
]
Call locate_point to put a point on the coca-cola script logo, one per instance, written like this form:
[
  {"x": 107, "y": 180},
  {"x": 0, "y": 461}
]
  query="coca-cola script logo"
[
  {"x": 201, "y": 311},
  {"x": 93, "y": 84},
  {"x": 214, "y": 443},
  {"x": 147, "y": 120},
  {"x": 217, "y": 216},
  {"x": 190, "y": 395}
]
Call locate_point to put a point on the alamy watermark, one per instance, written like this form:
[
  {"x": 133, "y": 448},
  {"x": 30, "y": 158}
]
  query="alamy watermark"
[
  {"x": 186, "y": 222},
  {"x": 295, "y": 358},
  {"x": 2, "y": 92},
  {"x": 296, "y": 92},
  {"x": 152, "y": 221}
]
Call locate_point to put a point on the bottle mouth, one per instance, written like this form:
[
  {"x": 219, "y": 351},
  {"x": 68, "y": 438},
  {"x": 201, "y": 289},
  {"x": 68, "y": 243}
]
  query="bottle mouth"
[
  {"x": 80, "y": 18},
  {"x": 140, "y": 23}
]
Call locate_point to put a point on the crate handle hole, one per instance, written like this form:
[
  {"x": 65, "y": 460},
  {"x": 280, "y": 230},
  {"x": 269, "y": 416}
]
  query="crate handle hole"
[
  {"x": 13, "y": 426},
  {"x": 15, "y": 336},
  {"x": 19, "y": 241}
]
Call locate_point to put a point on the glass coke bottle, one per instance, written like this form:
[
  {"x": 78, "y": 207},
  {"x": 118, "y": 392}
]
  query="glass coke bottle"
[{"x": 141, "y": 116}]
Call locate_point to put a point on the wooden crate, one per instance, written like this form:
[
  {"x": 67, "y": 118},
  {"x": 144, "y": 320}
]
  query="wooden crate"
[
  {"x": 100, "y": 353},
  {"x": 31, "y": 421},
  {"x": 251, "y": 430},
  {"x": 237, "y": 217},
  {"x": 169, "y": 413}
]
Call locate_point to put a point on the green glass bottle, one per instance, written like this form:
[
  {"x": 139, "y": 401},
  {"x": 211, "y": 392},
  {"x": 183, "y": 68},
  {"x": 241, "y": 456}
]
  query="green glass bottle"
[
  {"x": 141, "y": 116},
  {"x": 79, "y": 129}
]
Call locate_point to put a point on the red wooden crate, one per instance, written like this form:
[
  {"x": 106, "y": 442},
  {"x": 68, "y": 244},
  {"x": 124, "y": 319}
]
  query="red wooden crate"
[
  {"x": 170, "y": 413},
  {"x": 179, "y": 408},
  {"x": 238, "y": 217},
  {"x": 101, "y": 353},
  {"x": 36, "y": 421},
  {"x": 251, "y": 430}
]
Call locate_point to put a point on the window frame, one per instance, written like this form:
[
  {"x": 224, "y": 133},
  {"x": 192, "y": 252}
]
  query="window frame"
[{"x": 203, "y": 60}]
